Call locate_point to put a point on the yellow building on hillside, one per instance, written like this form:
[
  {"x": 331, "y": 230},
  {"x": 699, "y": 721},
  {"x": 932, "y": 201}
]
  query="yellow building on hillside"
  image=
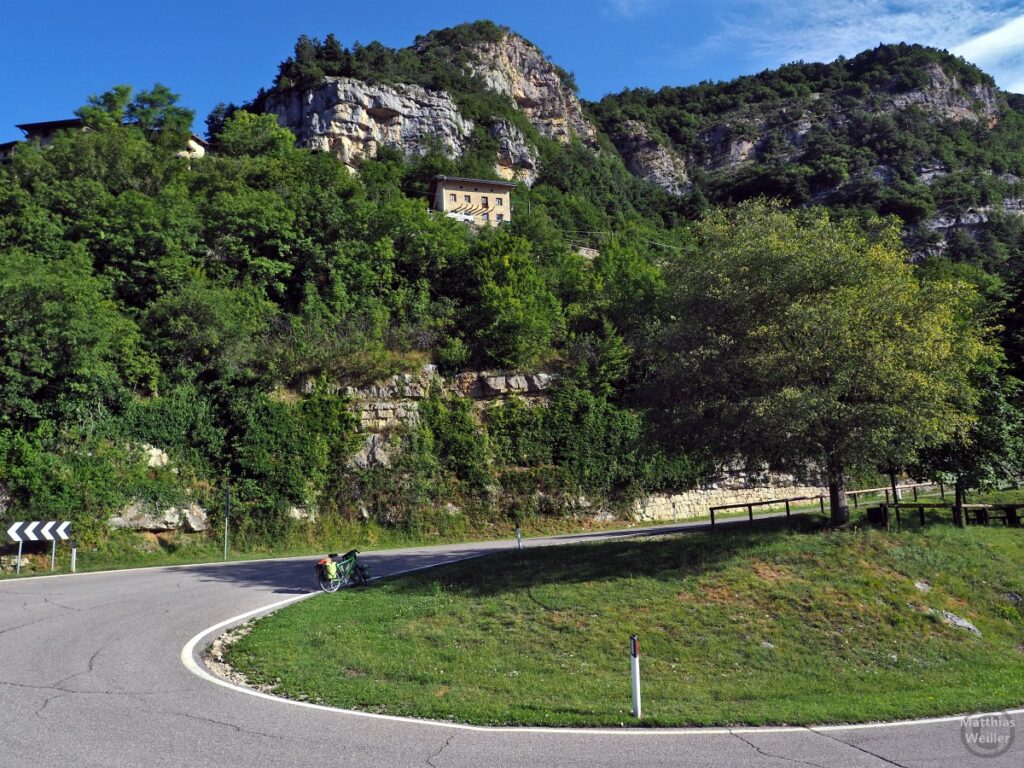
[{"x": 476, "y": 201}]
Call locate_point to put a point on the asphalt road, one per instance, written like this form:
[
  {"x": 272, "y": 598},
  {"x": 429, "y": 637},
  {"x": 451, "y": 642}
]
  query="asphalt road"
[{"x": 91, "y": 676}]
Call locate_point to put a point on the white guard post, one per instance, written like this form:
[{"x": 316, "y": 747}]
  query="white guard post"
[{"x": 634, "y": 653}]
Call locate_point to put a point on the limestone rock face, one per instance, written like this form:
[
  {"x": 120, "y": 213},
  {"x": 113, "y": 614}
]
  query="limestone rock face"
[
  {"x": 135, "y": 517},
  {"x": 740, "y": 136},
  {"x": 517, "y": 158},
  {"x": 519, "y": 69},
  {"x": 650, "y": 160},
  {"x": 192, "y": 518},
  {"x": 376, "y": 451},
  {"x": 945, "y": 97},
  {"x": 351, "y": 118},
  {"x": 155, "y": 457},
  {"x": 725, "y": 151}
]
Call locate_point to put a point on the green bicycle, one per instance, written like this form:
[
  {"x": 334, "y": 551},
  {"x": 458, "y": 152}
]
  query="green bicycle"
[{"x": 333, "y": 571}]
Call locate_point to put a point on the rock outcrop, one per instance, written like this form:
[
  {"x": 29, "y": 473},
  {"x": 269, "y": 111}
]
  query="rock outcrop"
[
  {"x": 135, "y": 517},
  {"x": 517, "y": 68},
  {"x": 946, "y": 98},
  {"x": 351, "y": 118},
  {"x": 649, "y": 159},
  {"x": 517, "y": 159},
  {"x": 741, "y": 135},
  {"x": 393, "y": 403}
]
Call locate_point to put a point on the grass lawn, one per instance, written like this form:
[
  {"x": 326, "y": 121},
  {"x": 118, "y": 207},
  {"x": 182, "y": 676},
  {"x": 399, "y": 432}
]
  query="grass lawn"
[{"x": 761, "y": 625}]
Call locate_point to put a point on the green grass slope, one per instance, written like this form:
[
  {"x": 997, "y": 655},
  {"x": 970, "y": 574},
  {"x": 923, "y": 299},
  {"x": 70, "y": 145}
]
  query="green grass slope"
[{"x": 751, "y": 626}]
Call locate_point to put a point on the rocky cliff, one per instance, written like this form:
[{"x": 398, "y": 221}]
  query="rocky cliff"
[
  {"x": 516, "y": 67},
  {"x": 765, "y": 126},
  {"x": 351, "y": 118},
  {"x": 652, "y": 160},
  {"x": 945, "y": 97},
  {"x": 517, "y": 157}
]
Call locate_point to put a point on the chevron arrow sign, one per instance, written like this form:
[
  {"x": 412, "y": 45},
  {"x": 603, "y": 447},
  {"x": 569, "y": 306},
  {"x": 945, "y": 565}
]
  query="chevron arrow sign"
[{"x": 40, "y": 531}]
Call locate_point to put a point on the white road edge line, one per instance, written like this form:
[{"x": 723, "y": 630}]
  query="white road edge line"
[{"x": 189, "y": 655}]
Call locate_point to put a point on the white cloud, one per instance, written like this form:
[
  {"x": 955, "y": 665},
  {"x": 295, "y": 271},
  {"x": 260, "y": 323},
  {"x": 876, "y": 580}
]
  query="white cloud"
[
  {"x": 768, "y": 33},
  {"x": 628, "y": 9},
  {"x": 999, "y": 43},
  {"x": 1000, "y": 52}
]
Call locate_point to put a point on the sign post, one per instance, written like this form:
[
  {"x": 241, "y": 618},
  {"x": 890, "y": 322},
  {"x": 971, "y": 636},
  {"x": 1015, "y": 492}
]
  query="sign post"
[{"x": 50, "y": 531}]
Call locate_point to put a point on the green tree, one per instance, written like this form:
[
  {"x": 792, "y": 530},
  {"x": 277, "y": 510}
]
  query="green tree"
[
  {"x": 67, "y": 352},
  {"x": 518, "y": 317},
  {"x": 802, "y": 340},
  {"x": 244, "y": 133},
  {"x": 992, "y": 449}
]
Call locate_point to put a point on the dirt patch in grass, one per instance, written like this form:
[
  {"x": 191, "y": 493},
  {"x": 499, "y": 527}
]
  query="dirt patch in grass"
[{"x": 771, "y": 572}]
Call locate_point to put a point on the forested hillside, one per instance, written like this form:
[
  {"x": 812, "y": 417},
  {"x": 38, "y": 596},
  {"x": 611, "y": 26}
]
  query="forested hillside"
[{"x": 216, "y": 308}]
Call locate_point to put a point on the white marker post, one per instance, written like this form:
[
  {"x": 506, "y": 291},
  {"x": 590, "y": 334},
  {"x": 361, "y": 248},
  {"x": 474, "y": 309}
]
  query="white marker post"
[
  {"x": 227, "y": 514},
  {"x": 74, "y": 555},
  {"x": 519, "y": 537},
  {"x": 634, "y": 653},
  {"x": 47, "y": 527}
]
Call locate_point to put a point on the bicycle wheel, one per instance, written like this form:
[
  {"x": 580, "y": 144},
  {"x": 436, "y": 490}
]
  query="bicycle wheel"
[
  {"x": 360, "y": 576},
  {"x": 328, "y": 585}
]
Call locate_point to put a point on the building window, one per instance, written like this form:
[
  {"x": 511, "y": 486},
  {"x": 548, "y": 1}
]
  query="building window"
[
  {"x": 485, "y": 201},
  {"x": 499, "y": 201},
  {"x": 466, "y": 198},
  {"x": 501, "y": 217},
  {"x": 487, "y": 217},
  {"x": 453, "y": 197}
]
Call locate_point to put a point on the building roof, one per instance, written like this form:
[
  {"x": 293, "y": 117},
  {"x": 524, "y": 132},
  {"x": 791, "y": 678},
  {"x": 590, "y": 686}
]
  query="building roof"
[
  {"x": 76, "y": 122},
  {"x": 52, "y": 125},
  {"x": 489, "y": 182}
]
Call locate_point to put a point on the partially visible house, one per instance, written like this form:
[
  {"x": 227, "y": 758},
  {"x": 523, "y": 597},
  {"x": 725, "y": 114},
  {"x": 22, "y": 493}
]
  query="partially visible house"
[
  {"x": 45, "y": 133},
  {"x": 6, "y": 149},
  {"x": 477, "y": 201}
]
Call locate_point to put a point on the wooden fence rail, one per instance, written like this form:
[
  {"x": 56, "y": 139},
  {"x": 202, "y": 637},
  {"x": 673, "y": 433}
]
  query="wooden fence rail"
[{"x": 749, "y": 506}]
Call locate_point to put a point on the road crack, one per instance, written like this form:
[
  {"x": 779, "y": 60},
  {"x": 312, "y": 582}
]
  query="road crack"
[
  {"x": 46, "y": 703},
  {"x": 433, "y": 757},
  {"x": 763, "y": 753},
  {"x": 235, "y": 728},
  {"x": 26, "y": 624},
  {"x": 60, "y": 684},
  {"x": 885, "y": 760},
  {"x": 61, "y": 605}
]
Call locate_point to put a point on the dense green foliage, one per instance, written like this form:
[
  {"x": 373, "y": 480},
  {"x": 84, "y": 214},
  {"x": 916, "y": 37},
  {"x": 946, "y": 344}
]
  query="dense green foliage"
[
  {"x": 214, "y": 307},
  {"x": 800, "y": 339},
  {"x": 150, "y": 299}
]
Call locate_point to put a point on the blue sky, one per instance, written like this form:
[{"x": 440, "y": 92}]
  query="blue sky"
[{"x": 53, "y": 60}]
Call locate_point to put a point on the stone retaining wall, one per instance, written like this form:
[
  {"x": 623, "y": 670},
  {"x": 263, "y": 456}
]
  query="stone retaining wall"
[
  {"x": 680, "y": 506},
  {"x": 394, "y": 402}
]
